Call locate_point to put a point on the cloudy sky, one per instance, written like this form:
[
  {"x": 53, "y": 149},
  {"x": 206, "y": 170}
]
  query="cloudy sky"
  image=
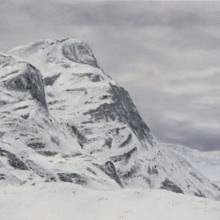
[{"x": 167, "y": 55}]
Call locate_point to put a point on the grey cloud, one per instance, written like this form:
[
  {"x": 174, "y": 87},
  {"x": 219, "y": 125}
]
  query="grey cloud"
[
  {"x": 157, "y": 50},
  {"x": 143, "y": 14},
  {"x": 186, "y": 135},
  {"x": 178, "y": 119},
  {"x": 211, "y": 78}
]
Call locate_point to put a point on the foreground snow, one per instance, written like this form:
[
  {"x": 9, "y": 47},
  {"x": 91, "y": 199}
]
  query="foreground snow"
[{"x": 56, "y": 201}]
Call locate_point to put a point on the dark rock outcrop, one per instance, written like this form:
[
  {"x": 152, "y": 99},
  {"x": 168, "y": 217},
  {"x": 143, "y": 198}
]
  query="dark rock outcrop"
[{"x": 169, "y": 185}]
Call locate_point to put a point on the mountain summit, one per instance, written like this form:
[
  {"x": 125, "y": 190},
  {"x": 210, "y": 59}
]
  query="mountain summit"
[{"x": 64, "y": 119}]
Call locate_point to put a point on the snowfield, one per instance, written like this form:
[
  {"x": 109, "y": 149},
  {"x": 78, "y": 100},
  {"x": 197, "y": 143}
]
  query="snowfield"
[{"x": 62, "y": 201}]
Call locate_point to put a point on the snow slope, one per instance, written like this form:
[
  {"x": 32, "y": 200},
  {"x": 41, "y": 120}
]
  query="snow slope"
[
  {"x": 207, "y": 163},
  {"x": 85, "y": 128},
  {"x": 56, "y": 201}
]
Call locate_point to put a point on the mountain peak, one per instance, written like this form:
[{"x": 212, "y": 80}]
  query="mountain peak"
[{"x": 72, "y": 49}]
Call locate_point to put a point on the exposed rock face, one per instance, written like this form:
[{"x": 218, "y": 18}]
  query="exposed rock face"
[
  {"x": 95, "y": 136},
  {"x": 31, "y": 140},
  {"x": 79, "y": 52},
  {"x": 123, "y": 110},
  {"x": 21, "y": 77}
]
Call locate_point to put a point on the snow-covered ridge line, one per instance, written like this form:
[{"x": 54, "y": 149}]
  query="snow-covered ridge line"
[
  {"x": 73, "y": 49},
  {"x": 208, "y": 163},
  {"x": 92, "y": 133}
]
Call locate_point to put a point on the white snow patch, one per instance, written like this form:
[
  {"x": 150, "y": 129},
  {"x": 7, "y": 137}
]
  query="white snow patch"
[{"x": 56, "y": 201}]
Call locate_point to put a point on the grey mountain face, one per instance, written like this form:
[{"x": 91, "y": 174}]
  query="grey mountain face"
[{"x": 78, "y": 125}]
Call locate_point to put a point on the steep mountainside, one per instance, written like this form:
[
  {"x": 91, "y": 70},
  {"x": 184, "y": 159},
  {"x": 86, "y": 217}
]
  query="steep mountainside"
[
  {"x": 207, "y": 163},
  {"x": 95, "y": 118}
]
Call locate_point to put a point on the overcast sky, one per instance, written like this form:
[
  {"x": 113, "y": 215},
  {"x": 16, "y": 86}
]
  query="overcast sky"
[{"x": 167, "y": 55}]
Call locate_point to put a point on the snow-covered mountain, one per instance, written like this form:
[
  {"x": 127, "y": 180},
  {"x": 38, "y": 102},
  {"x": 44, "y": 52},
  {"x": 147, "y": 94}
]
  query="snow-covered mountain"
[
  {"x": 206, "y": 162},
  {"x": 64, "y": 119}
]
